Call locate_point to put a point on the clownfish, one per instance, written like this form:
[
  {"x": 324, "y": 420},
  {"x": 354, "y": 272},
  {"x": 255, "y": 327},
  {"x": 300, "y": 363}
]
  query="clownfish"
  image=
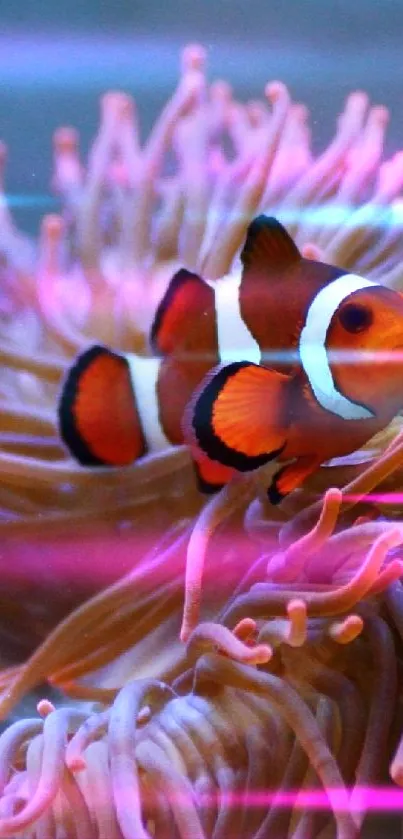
[{"x": 285, "y": 358}]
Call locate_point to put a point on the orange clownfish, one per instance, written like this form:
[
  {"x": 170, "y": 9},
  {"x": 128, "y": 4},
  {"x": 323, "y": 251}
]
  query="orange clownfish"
[{"x": 285, "y": 359}]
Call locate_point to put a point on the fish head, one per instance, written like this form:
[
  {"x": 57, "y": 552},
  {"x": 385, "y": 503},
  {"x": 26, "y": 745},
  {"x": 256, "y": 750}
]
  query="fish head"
[{"x": 365, "y": 349}]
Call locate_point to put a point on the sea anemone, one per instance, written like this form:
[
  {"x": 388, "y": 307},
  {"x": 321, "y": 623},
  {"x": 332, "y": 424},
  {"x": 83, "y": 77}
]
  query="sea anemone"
[
  {"x": 279, "y": 713},
  {"x": 278, "y": 717}
]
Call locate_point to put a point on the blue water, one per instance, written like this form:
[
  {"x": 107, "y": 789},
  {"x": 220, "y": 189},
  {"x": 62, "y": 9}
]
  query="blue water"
[{"x": 56, "y": 59}]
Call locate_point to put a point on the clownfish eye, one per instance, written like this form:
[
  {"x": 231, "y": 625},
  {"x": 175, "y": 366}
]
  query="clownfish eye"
[{"x": 355, "y": 317}]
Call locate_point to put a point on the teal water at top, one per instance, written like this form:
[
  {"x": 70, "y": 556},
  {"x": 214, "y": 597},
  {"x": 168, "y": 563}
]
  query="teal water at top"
[{"x": 56, "y": 59}]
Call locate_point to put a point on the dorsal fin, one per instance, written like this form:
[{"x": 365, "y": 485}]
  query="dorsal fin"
[
  {"x": 185, "y": 299},
  {"x": 268, "y": 246}
]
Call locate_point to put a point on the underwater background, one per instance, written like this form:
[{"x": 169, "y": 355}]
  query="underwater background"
[{"x": 57, "y": 58}]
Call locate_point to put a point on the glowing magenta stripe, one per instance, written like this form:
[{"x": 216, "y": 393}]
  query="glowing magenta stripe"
[
  {"x": 373, "y": 799},
  {"x": 378, "y": 498}
]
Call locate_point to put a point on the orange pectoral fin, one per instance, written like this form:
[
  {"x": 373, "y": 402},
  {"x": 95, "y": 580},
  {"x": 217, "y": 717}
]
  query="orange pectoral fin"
[
  {"x": 98, "y": 418},
  {"x": 235, "y": 417}
]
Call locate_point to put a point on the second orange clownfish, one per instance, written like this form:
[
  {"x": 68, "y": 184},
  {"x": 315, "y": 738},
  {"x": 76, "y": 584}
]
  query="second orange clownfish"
[{"x": 285, "y": 359}]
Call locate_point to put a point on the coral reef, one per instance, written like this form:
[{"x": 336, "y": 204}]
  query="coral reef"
[{"x": 281, "y": 715}]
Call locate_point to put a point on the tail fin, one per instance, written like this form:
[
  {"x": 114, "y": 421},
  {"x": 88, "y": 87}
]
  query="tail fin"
[{"x": 97, "y": 412}]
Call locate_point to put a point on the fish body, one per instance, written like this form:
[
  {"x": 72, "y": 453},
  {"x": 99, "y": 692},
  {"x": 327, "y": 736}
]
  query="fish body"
[{"x": 285, "y": 359}]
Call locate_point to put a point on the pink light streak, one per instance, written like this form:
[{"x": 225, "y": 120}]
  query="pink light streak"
[
  {"x": 377, "y": 498},
  {"x": 370, "y": 799}
]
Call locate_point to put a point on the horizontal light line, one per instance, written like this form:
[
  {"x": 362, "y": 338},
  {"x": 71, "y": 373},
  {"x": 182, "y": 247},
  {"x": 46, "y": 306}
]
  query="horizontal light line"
[
  {"x": 16, "y": 200},
  {"x": 292, "y": 357},
  {"x": 373, "y": 799},
  {"x": 333, "y": 215},
  {"x": 153, "y": 62},
  {"x": 377, "y": 498}
]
